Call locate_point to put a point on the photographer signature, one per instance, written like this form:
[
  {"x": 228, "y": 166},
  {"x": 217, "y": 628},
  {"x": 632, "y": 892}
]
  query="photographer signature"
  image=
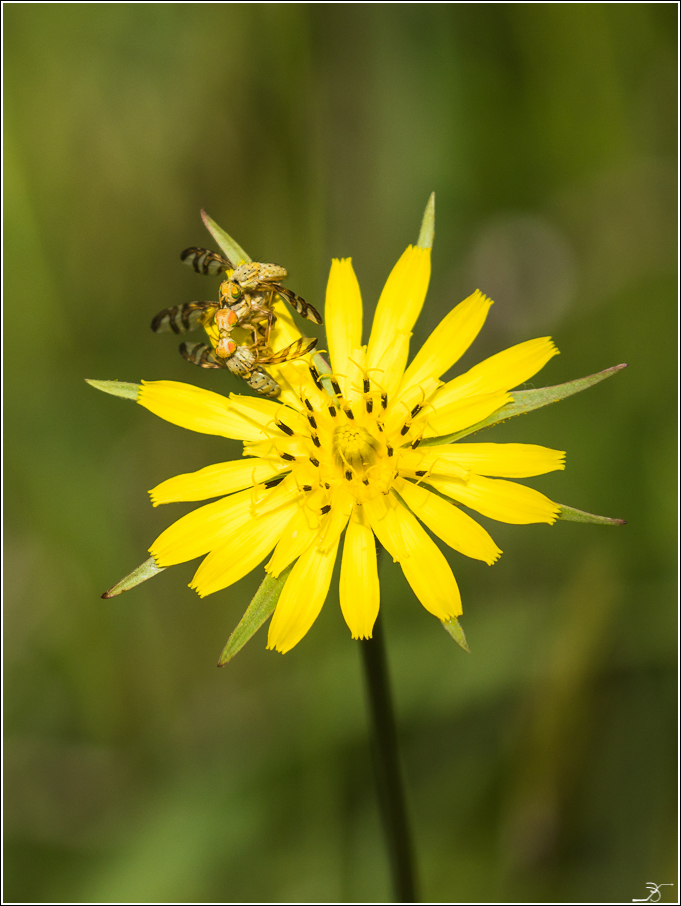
[{"x": 654, "y": 896}]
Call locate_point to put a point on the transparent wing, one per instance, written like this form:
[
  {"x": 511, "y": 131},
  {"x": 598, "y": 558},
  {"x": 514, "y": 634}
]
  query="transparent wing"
[
  {"x": 201, "y": 355},
  {"x": 294, "y": 351},
  {"x": 183, "y": 318},
  {"x": 298, "y": 303},
  {"x": 206, "y": 262}
]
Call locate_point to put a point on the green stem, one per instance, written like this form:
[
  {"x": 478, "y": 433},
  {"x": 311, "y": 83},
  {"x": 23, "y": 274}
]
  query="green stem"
[{"x": 386, "y": 764}]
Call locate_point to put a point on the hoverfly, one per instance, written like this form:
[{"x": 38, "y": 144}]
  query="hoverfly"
[
  {"x": 243, "y": 361},
  {"x": 245, "y": 300},
  {"x": 249, "y": 291},
  {"x": 247, "y": 361}
]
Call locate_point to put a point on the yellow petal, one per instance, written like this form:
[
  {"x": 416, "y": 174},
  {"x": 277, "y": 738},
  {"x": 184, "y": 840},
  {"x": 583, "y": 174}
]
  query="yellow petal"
[
  {"x": 341, "y": 507},
  {"x": 285, "y": 332},
  {"x": 342, "y": 314},
  {"x": 380, "y": 512},
  {"x": 355, "y": 372},
  {"x": 502, "y": 371},
  {"x": 217, "y": 480},
  {"x": 446, "y": 418},
  {"x": 387, "y": 372},
  {"x": 295, "y": 376},
  {"x": 504, "y": 460},
  {"x": 399, "y": 412},
  {"x": 400, "y": 303},
  {"x": 502, "y": 500},
  {"x": 197, "y": 409},
  {"x": 423, "y": 563},
  {"x": 299, "y": 534},
  {"x": 359, "y": 588},
  {"x": 258, "y": 411},
  {"x": 427, "y": 460},
  {"x": 241, "y": 550},
  {"x": 302, "y": 598},
  {"x": 201, "y": 530},
  {"x": 450, "y": 339},
  {"x": 448, "y": 522}
]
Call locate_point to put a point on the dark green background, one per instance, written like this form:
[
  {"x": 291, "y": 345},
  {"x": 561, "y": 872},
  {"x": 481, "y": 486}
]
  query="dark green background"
[{"x": 539, "y": 767}]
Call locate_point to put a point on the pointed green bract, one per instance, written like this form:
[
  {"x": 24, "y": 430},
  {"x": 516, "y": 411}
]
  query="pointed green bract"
[
  {"x": 141, "y": 574},
  {"x": 231, "y": 248},
  {"x": 453, "y": 627},
  {"x": 261, "y": 607},
  {"x": 526, "y": 401},
  {"x": 569, "y": 514},
  {"x": 116, "y": 388},
  {"x": 427, "y": 233}
]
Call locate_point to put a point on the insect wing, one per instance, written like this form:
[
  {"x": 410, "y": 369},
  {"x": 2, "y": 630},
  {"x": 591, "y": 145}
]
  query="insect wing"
[
  {"x": 298, "y": 303},
  {"x": 206, "y": 262},
  {"x": 301, "y": 347},
  {"x": 183, "y": 318},
  {"x": 201, "y": 355}
]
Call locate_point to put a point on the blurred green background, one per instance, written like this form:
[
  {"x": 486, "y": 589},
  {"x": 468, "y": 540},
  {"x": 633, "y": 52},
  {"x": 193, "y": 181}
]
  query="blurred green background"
[{"x": 540, "y": 767}]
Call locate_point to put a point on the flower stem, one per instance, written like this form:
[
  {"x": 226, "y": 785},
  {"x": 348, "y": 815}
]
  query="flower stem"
[{"x": 387, "y": 767}]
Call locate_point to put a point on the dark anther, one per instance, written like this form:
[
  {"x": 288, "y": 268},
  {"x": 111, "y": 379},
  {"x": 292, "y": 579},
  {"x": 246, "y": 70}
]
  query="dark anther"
[
  {"x": 332, "y": 411},
  {"x": 274, "y": 482},
  {"x": 366, "y": 482},
  {"x": 349, "y": 413},
  {"x": 415, "y": 411},
  {"x": 367, "y": 385},
  {"x": 309, "y": 404},
  {"x": 390, "y": 450},
  {"x": 421, "y": 474},
  {"x": 416, "y": 443},
  {"x": 308, "y": 487},
  {"x": 285, "y": 428},
  {"x": 315, "y": 462},
  {"x": 311, "y": 420},
  {"x": 405, "y": 428},
  {"x": 348, "y": 475},
  {"x": 369, "y": 405},
  {"x": 325, "y": 509},
  {"x": 384, "y": 400},
  {"x": 336, "y": 387},
  {"x": 288, "y": 457},
  {"x": 327, "y": 485},
  {"x": 316, "y": 441},
  {"x": 379, "y": 426},
  {"x": 315, "y": 377}
]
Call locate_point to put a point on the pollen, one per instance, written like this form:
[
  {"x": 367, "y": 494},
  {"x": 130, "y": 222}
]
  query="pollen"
[{"x": 355, "y": 447}]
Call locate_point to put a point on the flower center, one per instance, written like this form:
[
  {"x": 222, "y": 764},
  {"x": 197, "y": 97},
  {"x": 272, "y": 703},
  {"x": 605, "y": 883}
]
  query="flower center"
[{"x": 353, "y": 446}]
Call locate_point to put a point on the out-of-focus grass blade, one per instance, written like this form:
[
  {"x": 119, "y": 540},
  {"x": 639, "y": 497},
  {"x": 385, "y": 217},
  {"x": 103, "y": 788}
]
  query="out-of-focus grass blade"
[
  {"x": 569, "y": 514},
  {"x": 526, "y": 401},
  {"x": 261, "y": 607},
  {"x": 453, "y": 627},
  {"x": 116, "y": 388},
  {"x": 427, "y": 233},
  {"x": 231, "y": 248},
  {"x": 141, "y": 574}
]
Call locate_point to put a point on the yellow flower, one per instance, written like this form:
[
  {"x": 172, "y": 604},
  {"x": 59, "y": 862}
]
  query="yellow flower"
[{"x": 349, "y": 453}]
